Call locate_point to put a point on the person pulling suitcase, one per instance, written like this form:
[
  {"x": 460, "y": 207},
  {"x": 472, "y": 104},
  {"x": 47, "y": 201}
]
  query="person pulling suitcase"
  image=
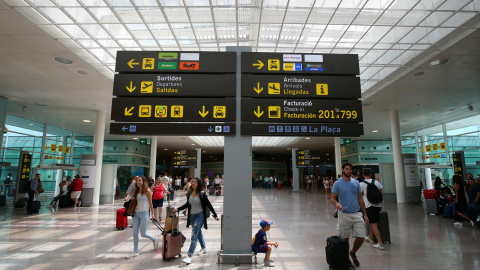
[{"x": 198, "y": 207}]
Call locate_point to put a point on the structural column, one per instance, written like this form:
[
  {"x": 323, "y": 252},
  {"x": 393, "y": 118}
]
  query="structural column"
[
  {"x": 237, "y": 204},
  {"x": 98, "y": 150},
  {"x": 295, "y": 174},
  {"x": 3, "y": 118},
  {"x": 397, "y": 156},
  {"x": 338, "y": 157},
  {"x": 153, "y": 158},
  {"x": 198, "y": 169},
  {"x": 428, "y": 171}
]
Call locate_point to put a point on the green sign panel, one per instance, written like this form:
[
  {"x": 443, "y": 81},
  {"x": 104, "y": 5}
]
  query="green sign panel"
[
  {"x": 345, "y": 141},
  {"x": 145, "y": 141}
]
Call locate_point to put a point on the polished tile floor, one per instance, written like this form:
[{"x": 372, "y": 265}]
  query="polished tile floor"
[{"x": 86, "y": 238}]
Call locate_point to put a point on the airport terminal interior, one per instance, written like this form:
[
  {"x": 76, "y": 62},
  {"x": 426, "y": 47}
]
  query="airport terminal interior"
[{"x": 269, "y": 97}]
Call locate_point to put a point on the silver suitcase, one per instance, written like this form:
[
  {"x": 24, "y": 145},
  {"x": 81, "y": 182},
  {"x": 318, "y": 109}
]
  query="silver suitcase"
[{"x": 432, "y": 207}]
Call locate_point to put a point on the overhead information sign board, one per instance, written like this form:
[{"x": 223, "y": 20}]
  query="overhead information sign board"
[
  {"x": 185, "y": 129},
  {"x": 291, "y": 63},
  {"x": 185, "y": 159},
  {"x": 171, "y": 62},
  {"x": 174, "y": 85},
  {"x": 307, "y": 158},
  {"x": 173, "y": 109},
  {"x": 318, "y": 130},
  {"x": 299, "y": 86},
  {"x": 302, "y": 110}
]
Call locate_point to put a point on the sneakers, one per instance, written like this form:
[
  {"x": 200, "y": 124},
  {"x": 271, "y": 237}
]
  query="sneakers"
[
  {"x": 187, "y": 260},
  {"x": 378, "y": 246},
  {"x": 202, "y": 251},
  {"x": 79, "y": 203},
  {"x": 155, "y": 243},
  {"x": 472, "y": 223},
  {"x": 354, "y": 259},
  {"x": 268, "y": 263},
  {"x": 458, "y": 224},
  {"x": 351, "y": 265},
  {"x": 135, "y": 254},
  {"x": 369, "y": 240}
]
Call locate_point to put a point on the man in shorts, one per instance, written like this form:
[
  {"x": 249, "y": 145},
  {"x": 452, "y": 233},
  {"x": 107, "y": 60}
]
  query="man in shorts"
[
  {"x": 350, "y": 220},
  {"x": 77, "y": 190}
]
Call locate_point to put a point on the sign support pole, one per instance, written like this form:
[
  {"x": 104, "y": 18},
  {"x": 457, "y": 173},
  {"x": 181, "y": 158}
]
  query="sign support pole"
[
  {"x": 198, "y": 169},
  {"x": 237, "y": 204},
  {"x": 153, "y": 157},
  {"x": 295, "y": 174}
]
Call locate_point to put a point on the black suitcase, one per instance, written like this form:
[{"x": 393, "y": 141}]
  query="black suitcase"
[
  {"x": 211, "y": 190},
  {"x": 3, "y": 200},
  {"x": 21, "y": 202},
  {"x": 384, "y": 227},
  {"x": 65, "y": 201},
  {"x": 33, "y": 207},
  {"x": 337, "y": 253}
]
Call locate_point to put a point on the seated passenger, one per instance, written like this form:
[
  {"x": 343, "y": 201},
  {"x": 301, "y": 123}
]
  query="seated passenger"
[
  {"x": 461, "y": 202},
  {"x": 260, "y": 243}
]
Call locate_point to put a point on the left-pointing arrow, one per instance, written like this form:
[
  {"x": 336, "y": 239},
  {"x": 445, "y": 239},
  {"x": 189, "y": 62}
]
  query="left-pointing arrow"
[
  {"x": 124, "y": 128},
  {"x": 131, "y": 63},
  {"x": 128, "y": 112},
  {"x": 131, "y": 88}
]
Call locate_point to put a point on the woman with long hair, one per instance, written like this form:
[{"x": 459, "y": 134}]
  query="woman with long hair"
[
  {"x": 158, "y": 190},
  {"x": 461, "y": 202},
  {"x": 197, "y": 203},
  {"x": 186, "y": 189},
  {"x": 143, "y": 196}
]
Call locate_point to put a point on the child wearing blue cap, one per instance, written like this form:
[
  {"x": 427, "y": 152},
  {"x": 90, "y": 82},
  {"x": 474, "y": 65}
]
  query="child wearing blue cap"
[{"x": 260, "y": 244}]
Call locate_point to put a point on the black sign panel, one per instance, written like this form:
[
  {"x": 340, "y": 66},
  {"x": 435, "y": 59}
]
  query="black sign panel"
[
  {"x": 186, "y": 129},
  {"x": 307, "y": 158},
  {"x": 302, "y": 110},
  {"x": 291, "y": 63},
  {"x": 318, "y": 130},
  {"x": 24, "y": 169},
  {"x": 298, "y": 86},
  {"x": 174, "y": 62},
  {"x": 459, "y": 164},
  {"x": 185, "y": 158},
  {"x": 173, "y": 109},
  {"x": 174, "y": 85}
]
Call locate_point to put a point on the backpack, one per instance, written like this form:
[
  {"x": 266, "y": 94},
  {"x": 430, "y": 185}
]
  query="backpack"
[
  {"x": 26, "y": 186},
  {"x": 373, "y": 193}
]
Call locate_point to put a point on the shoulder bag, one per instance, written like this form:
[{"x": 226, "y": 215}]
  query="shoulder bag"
[{"x": 132, "y": 206}]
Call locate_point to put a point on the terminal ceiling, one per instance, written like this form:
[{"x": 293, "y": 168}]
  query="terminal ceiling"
[{"x": 396, "y": 41}]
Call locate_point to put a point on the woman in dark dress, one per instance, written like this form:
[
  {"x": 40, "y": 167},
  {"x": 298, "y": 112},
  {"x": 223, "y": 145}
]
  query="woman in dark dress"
[{"x": 461, "y": 202}]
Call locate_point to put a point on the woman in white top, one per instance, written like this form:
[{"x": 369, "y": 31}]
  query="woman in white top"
[
  {"x": 326, "y": 185},
  {"x": 143, "y": 196}
]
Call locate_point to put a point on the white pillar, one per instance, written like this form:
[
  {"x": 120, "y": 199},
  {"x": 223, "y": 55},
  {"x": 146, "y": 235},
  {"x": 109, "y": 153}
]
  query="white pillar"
[
  {"x": 428, "y": 171},
  {"x": 59, "y": 176},
  {"x": 397, "y": 156},
  {"x": 153, "y": 158},
  {"x": 98, "y": 142},
  {"x": 338, "y": 157},
  {"x": 198, "y": 170}
]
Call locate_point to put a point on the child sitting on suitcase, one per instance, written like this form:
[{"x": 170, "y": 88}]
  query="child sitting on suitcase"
[{"x": 260, "y": 244}]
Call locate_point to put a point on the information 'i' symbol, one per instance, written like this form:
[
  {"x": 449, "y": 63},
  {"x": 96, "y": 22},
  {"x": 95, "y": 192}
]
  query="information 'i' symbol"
[{"x": 322, "y": 89}]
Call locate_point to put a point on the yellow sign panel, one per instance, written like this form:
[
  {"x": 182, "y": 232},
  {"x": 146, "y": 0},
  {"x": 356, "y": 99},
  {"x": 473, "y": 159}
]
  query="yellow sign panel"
[
  {"x": 322, "y": 89},
  {"x": 273, "y": 64},
  {"x": 428, "y": 148},
  {"x": 274, "y": 111},
  {"x": 46, "y": 146},
  {"x": 67, "y": 149},
  {"x": 442, "y": 146},
  {"x": 161, "y": 111},
  {"x": 274, "y": 88},
  {"x": 177, "y": 111},
  {"x": 148, "y": 63},
  {"x": 435, "y": 147},
  {"x": 289, "y": 66},
  {"x": 53, "y": 147},
  {"x": 219, "y": 111},
  {"x": 144, "y": 111},
  {"x": 146, "y": 87},
  {"x": 60, "y": 148},
  {"x": 421, "y": 149}
]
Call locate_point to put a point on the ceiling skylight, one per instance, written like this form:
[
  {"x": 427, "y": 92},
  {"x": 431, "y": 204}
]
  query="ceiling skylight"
[
  {"x": 386, "y": 34},
  {"x": 218, "y": 141}
]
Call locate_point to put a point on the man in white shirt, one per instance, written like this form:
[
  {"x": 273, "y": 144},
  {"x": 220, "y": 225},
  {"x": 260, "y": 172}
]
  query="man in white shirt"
[
  {"x": 217, "y": 181},
  {"x": 373, "y": 209}
]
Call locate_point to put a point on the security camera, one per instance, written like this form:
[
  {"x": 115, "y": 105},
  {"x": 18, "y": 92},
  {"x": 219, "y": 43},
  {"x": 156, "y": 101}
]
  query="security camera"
[
  {"x": 470, "y": 108},
  {"x": 4, "y": 129}
]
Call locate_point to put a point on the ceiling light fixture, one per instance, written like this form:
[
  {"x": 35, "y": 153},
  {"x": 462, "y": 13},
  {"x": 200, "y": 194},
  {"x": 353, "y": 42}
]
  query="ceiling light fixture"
[
  {"x": 434, "y": 129},
  {"x": 81, "y": 72},
  {"x": 375, "y": 131},
  {"x": 419, "y": 74},
  {"x": 63, "y": 60},
  {"x": 30, "y": 124},
  {"x": 135, "y": 138},
  {"x": 439, "y": 62},
  {"x": 165, "y": 149},
  {"x": 192, "y": 144},
  {"x": 307, "y": 138},
  {"x": 86, "y": 121}
]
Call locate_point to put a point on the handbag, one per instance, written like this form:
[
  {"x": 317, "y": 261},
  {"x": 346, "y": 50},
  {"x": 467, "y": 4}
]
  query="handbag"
[
  {"x": 40, "y": 190},
  {"x": 131, "y": 208}
]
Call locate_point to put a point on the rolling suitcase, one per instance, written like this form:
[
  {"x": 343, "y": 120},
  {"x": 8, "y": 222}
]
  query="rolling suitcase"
[
  {"x": 65, "y": 201},
  {"x": 33, "y": 207},
  {"x": 20, "y": 203},
  {"x": 211, "y": 190},
  {"x": 337, "y": 253},
  {"x": 122, "y": 221},
  {"x": 279, "y": 186},
  {"x": 384, "y": 227},
  {"x": 172, "y": 243},
  {"x": 447, "y": 211},
  {"x": 432, "y": 206},
  {"x": 3, "y": 200},
  {"x": 218, "y": 191}
]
